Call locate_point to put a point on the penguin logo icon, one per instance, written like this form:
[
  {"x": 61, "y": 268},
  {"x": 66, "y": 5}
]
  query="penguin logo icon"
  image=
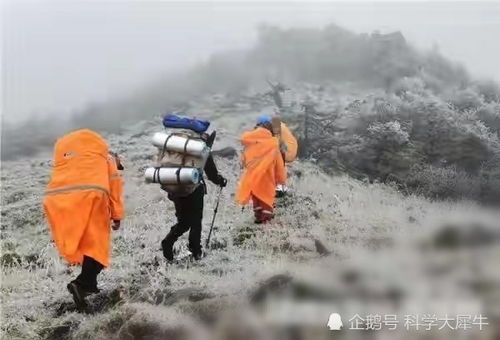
[{"x": 335, "y": 322}]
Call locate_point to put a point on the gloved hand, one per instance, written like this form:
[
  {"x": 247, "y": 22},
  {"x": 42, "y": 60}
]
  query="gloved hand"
[
  {"x": 221, "y": 181},
  {"x": 283, "y": 147},
  {"x": 116, "y": 224}
]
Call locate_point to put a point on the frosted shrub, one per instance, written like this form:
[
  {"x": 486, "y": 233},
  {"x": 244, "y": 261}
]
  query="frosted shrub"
[
  {"x": 413, "y": 85},
  {"x": 390, "y": 132},
  {"x": 441, "y": 183},
  {"x": 489, "y": 114},
  {"x": 489, "y": 90},
  {"x": 465, "y": 99}
]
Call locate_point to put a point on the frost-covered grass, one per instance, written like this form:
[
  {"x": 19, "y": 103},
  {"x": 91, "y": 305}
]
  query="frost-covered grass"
[{"x": 381, "y": 242}]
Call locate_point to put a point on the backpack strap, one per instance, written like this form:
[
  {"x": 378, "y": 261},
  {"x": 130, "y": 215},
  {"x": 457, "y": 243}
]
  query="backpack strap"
[
  {"x": 204, "y": 185},
  {"x": 165, "y": 146},
  {"x": 178, "y": 174},
  {"x": 156, "y": 175},
  {"x": 184, "y": 154}
]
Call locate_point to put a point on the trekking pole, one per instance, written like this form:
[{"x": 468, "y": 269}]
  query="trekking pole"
[{"x": 213, "y": 218}]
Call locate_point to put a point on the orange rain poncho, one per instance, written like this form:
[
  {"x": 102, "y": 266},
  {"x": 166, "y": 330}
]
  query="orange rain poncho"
[
  {"x": 84, "y": 194},
  {"x": 290, "y": 142},
  {"x": 263, "y": 167}
]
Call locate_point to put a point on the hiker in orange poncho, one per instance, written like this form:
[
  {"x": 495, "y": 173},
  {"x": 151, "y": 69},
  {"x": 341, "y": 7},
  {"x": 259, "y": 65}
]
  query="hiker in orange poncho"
[
  {"x": 83, "y": 196},
  {"x": 263, "y": 168}
]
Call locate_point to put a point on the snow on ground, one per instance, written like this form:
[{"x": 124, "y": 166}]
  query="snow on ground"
[{"x": 385, "y": 253}]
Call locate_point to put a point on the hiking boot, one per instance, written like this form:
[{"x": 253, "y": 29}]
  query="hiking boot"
[
  {"x": 263, "y": 219},
  {"x": 168, "y": 249},
  {"x": 197, "y": 252},
  {"x": 197, "y": 256},
  {"x": 266, "y": 216},
  {"x": 92, "y": 290},
  {"x": 79, "y": 295}
]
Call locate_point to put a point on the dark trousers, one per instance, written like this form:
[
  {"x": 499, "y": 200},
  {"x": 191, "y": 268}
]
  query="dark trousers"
[
  {"x": 88, "y": 277},
  {"x": 189, "y": 212}
]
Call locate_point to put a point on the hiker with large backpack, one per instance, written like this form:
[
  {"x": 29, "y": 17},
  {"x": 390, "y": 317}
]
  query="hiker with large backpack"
[
  {"x": 263, "y": 168},
  {"x": 84, "y": 200},
  {"x": 184, "y": 155}
]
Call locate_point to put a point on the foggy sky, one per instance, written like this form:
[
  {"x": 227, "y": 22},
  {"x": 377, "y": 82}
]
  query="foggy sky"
[{"x": 59, "y": 56}]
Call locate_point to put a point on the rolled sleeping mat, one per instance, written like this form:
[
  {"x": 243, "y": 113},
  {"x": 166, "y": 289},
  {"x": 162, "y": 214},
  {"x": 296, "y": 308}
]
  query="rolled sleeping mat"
[
  {"x": 193, "y": 147},
  {"x": 172, "y": 175}
]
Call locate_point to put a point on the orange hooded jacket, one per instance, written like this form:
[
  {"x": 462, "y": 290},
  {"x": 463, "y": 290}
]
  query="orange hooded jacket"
[
  {"x": 84, "y": 194},
  {"x": 263, "y": 167}
]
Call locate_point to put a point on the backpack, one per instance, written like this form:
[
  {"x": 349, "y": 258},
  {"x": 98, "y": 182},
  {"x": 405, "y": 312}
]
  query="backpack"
[
  {"x": 169, "y": 158},
  {"x": 80, "y": 160}
]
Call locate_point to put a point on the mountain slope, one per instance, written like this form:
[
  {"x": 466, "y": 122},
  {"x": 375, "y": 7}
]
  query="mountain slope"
[{"x": 387, "y": 250}]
